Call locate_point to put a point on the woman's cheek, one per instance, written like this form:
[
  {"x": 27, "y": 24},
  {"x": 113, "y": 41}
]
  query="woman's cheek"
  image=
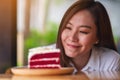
[
  {"x": 65, "y": 34},
  {"x": 87, "y": 41}
]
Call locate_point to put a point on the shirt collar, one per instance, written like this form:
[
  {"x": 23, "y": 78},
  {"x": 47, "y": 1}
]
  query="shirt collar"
[{"x": 93, "y": 63}]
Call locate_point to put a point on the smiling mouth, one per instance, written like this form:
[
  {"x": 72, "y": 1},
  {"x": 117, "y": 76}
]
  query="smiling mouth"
[{"x": 73, "y": 46}]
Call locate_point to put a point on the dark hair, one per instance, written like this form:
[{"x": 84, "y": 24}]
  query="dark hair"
[{"x": 102, "y": 21}]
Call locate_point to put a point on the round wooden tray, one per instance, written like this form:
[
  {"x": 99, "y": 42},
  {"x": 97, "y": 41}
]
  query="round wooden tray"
[{"x": 27, "y": 71}]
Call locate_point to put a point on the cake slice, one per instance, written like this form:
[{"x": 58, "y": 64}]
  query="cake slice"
[{"x": 44, "y": 58}]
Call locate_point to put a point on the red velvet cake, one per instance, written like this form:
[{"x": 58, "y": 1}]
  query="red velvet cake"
[{"x": 44, "y": 58}]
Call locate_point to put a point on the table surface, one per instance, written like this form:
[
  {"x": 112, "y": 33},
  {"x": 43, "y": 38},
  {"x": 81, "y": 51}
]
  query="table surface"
[{"x": 94, "y": 75}]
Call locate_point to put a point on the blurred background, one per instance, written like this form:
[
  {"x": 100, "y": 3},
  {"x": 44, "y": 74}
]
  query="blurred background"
[{"x": 26, "y": 24}]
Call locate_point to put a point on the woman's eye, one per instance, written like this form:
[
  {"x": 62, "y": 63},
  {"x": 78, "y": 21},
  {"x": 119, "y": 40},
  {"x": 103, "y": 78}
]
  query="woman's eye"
[
  {"x": 69, "y": 28},
  {"x": 83, "y": 32}
]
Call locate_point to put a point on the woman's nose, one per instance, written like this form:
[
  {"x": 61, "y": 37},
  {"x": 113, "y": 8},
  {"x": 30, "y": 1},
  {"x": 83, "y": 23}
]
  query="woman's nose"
[{"x": 74, "y": 36}]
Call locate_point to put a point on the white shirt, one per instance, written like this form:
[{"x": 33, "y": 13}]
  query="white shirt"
[{"x": 102, "y": 59}]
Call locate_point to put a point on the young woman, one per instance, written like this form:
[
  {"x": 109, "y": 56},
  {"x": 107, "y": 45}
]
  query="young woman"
[{"x": 85, "y": 38}]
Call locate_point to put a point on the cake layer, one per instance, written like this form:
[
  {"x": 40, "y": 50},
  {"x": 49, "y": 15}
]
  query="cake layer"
[{"x": 45, "y": 55}]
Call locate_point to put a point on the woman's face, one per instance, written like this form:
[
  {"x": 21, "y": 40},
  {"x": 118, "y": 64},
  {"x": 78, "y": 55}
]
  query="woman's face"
[{"x": 79, "y": 34}]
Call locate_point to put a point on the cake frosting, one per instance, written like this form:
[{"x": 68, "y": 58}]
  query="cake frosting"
[{"x": 43, "y": 57}]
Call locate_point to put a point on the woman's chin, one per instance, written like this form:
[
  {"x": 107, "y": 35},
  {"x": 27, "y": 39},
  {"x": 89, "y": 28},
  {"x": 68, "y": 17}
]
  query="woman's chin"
[{"x": 71, "y": 55}]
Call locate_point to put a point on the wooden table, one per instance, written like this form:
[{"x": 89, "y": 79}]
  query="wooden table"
[{"x": 94, "y": 75}]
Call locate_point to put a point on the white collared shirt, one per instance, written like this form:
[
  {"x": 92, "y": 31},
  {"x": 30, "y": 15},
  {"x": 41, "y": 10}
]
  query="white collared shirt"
[{"x": 102, "y": 59}]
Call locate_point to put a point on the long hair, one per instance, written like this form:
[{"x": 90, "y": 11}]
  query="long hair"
[{"x": 102, "y": 21}]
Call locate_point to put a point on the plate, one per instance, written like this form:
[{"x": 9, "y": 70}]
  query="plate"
[{"x": 26, "y": 71}]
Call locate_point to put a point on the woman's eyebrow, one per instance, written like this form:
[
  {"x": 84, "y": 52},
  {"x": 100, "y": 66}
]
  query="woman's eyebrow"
[{"x": 85, "y": 26}]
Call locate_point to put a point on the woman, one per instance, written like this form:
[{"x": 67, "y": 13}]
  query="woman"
[{"x": 85, "y": 38}]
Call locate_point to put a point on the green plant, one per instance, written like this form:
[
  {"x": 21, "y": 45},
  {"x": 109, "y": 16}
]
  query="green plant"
[
  {"x": 36, "y": 38},
  {"x": 117, "y": 42}
]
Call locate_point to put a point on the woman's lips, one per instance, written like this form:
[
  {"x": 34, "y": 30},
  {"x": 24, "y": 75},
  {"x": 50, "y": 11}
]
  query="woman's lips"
[{"x": 73, "y": 46}]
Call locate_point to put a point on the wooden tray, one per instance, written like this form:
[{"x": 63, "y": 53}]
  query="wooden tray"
[{"x": 29, "y": 72}]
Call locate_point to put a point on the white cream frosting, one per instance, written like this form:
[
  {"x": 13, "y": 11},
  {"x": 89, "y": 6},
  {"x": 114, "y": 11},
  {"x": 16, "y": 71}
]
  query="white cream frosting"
[
  {"x": 45, "y": 59},
  {"x": 49, "y": 65},
  {"x": 43, "y": 50}
]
